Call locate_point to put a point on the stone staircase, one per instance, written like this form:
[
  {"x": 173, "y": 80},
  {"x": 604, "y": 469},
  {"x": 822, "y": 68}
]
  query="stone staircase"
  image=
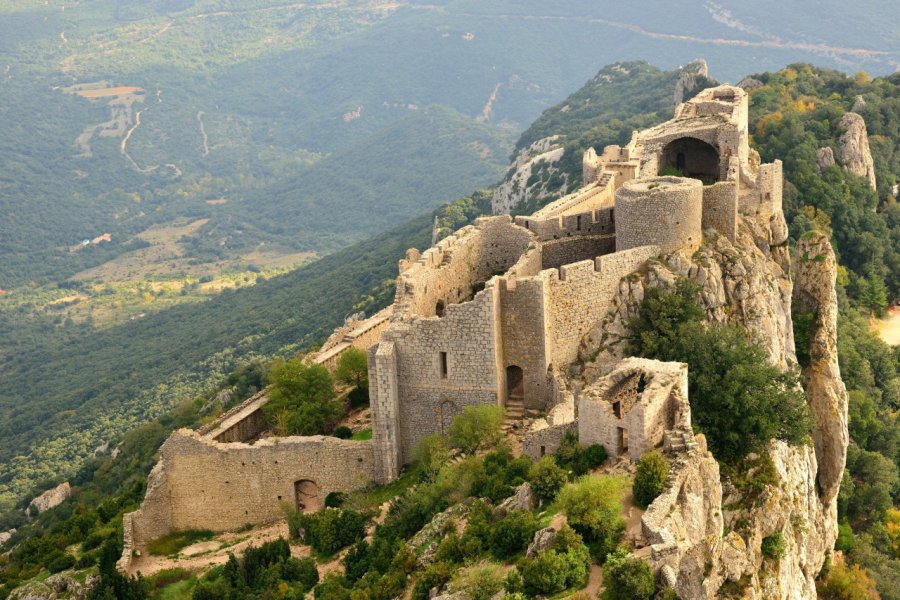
[
  {"x": 515, "y": 414},
  {"x": 678, "y": 441}
]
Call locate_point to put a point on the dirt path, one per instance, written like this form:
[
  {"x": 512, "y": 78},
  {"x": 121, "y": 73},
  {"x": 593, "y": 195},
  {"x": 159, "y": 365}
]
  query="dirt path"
[
  {"x": 888, "y": 328},
  {"x": 204, "y": 555},
  {"x": 489, "y": 106}
]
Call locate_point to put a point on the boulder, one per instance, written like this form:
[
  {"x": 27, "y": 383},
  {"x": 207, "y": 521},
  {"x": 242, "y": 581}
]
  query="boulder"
[
  {"x": 824, "y": 159},
  {"x": 50, "y": 499},
  {"x": 543, "y": 539},
  {"x": 522, "y": 499}
]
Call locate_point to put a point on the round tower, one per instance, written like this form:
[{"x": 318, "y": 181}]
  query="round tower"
[{"x": 662, "y": 211}]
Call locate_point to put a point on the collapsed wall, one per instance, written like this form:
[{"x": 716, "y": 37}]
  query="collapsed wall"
[{"x": 201, "y": 484}]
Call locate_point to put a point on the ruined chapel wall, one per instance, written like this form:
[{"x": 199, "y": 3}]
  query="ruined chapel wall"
[
  {"x": 429, "y": 398},
  {"x": 205, "y": 485},
  {"x": 765, "y": 201},
  {"x": 448, "y": 272},
  {"x": 581, "y": 295}
]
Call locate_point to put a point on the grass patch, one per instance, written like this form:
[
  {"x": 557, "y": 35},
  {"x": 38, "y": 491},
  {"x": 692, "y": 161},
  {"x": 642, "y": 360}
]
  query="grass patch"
[
  {"x": 365, "y": 434},
  {"x": 175, "y": 541},
  {"x": 180, "y": 590},
  {"x": 373, "y": 497}
]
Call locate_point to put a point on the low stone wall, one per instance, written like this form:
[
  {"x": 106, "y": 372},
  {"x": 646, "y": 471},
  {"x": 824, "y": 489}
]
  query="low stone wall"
[
  {"x": 200, "y": 484},
  {"x": 547, "y": 434}
]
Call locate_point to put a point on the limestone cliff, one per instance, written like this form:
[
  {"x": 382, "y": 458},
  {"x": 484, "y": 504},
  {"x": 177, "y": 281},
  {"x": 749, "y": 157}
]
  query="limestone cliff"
[
  {"x": 515, "y": 189},
  {"x": 855, "y": 155},
  {"x": 705, "y": 533},
  {"x": 688, "y": 79}
]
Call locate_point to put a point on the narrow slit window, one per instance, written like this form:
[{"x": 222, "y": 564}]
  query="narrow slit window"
[{"x": 443, "y": 365}]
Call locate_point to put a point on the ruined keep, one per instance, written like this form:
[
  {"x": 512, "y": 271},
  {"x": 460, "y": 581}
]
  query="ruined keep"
[{"x": 495, "y": 313}]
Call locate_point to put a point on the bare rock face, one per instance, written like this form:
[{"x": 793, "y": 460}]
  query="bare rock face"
[
  {"x": 815, "y": 295},
  {"x": 858, "y": 103},
  {"x": 855, "y": 155},
  {"x": 824, "y": 159},
  {"x": 687, "y": 80},
  {"x": 50, "y": 499},
  {"x": 748, "y": 283},
  {"x": 5, "y": 536},
  {"x": 543, "y": 539},
  {"x": 522, "y": 499},
  {"x": 749, "y": 83},
  {"x": 56, "y": 587},
  {"x": 515, "y": 190}
]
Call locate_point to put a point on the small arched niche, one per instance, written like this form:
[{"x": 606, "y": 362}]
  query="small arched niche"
[{"x": 306, "y": 496}]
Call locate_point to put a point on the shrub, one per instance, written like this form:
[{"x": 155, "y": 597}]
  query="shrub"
[
  {"x": 333, "y": 587},
  {"x": 172, "y": 543},
  {"x": 335, "y": 499},
  {"x": 650, "y": 478},
  {"x": 544, "y": 574},
  {"x": 332, "y": 529},
  {"x": 547, "y": 478},
  {"x": 435, "y": 575},
  {"x": 579, "y": 459},
  {"x": 300, "y": 570},
  {"x": 343, "y": 432},
  {"x": 846, "y": 541},
  {"x": 595, "y": 455},
  {"x": 479, "y": 582},
  {"x": 432, "y": 453},
  {"x": 513, "y": 533},
  {"x": 627, "y": 578},
  {"x": 477, "y": 427},
  {"x": 773, "y": 546},
  {"x": 61, "y": 563},
  {"x": 847, "y": 583},
  {"x": 352, "y": 368},
  {"x": 302, "y": 399},
  {"x": 593, "y": 507}
]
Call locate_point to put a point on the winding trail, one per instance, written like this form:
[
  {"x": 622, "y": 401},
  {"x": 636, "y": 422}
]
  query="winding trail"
[
  {"x": 489, "y": 106},
  {"x": 205, "y": 150}
]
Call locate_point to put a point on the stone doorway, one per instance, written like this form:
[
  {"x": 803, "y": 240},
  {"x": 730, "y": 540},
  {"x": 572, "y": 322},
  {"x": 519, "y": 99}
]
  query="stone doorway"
[
  {"x": 515, "y": 385},
  {"x": 306, "y": 496},
  {"x": 622, "y": 441}
]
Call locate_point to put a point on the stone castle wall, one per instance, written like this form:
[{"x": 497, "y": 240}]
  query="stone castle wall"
[
  {"x": 524, "y": 316},
  {"x": 598, "y": 221},
  {"x": 568, "y": 250},
  {"x": 667, "y": 210},
  {"x": 448, "y": 273},
  {"x": 720, "y": 208},
  {"x": 581, "y": 295},
  {"x": 200, "y": 484}
]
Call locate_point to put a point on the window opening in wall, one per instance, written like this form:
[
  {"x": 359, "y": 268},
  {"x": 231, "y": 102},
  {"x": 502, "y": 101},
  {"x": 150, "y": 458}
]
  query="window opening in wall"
[
  {"x": 443, "y": 365},
  {"x": 543, "y": 451},
  {"x": 642, "y": 384},
  {"x": 578, "y": 222},
  {"x": 439, "y": 308},
  {"x": 617, "y": 409}
]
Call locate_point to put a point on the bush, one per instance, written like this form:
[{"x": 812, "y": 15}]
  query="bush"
[
  {"x": 61, "y": 563},
  {"x": 544, "y": 574},
  {"x": 343, "y": 432},
  {"x": 547, "y": 478},
  {"x": 627, "y": 578},
  {"x": 477, "y": 427},
  {"x": 302, "y": 571},
  {"x": 650, "y": 478},
  {"x": 432, "y": 453},
  {"x": 332, "y": 529},
  {"x": 773, "y": 546},
  {"x": 335, "y": 499},
  {"x": 479, "y": 582},
  {"x": 846, "y": 541},
  {"x": 333, "y": 587},
  {"x": 577, "y": 458},
  {"x": 302, "y": 399},
  {"x": 173, "y": 542},
  {"x": 847, "y": 583},
  {"x": 435, "y": 575},
  {"x": 593, "y": 508},
  {"x": 513, "y": 533}
]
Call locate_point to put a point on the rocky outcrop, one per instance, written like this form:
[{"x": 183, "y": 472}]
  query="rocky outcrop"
[
  {"x": 824, "y": 159},
  {"x": 515, "y": 189},
  {"x": 522, "y": 499},
  {"x": 747, "y": 283},
  {"x": 858, "y": 103},
  {"x": 689, "y": 78},
  {"x": 855, "y": 155},
  {"x": 749, "y": 83},
  {"x": 792, "y": 490},
  {"x": 816, "y": 297},
  {"x": 543, "y": 540},
  {"x": 50, "y": 499},
  {"x": 5, "y": 536},
  {"x": 56, "y": 587}
]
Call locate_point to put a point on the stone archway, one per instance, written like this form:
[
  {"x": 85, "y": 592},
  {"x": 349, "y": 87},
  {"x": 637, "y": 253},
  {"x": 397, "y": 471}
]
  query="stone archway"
[
  {"x": 306, "y": 496},
  {"x": 692, "y": 158}
]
